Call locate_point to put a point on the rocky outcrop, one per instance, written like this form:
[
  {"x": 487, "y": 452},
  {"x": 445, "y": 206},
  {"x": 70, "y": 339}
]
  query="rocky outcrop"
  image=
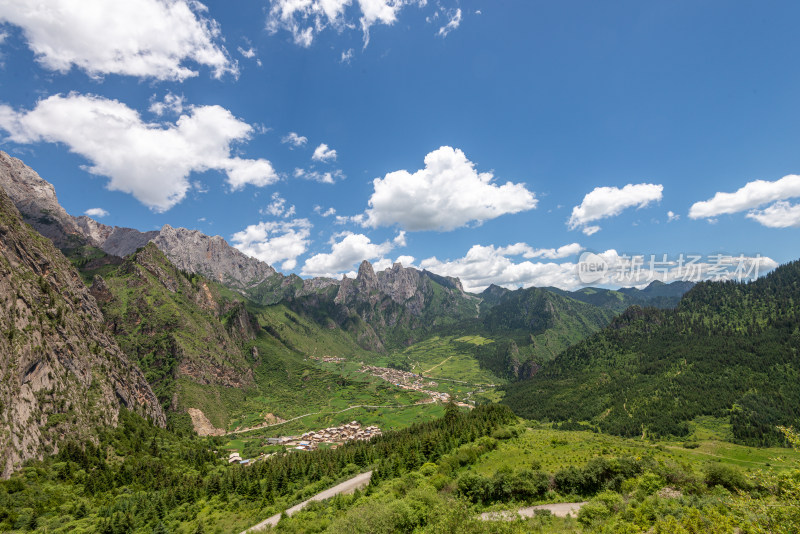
[
  {"x": 61, "y": 374},
  {"x": 213, "y": 257},
  {"x": 399, "y": 305},
  {"x": 113, "y": 240},
  {"x": 36, "y": 200}
]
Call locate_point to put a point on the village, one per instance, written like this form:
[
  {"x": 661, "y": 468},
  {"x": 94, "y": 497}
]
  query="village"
[
  {"x": 333, "y": 436},
  {"x": 406, "y": 380}
]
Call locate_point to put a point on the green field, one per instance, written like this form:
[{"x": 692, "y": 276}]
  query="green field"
[
  {"x": 554, "y": 450},
  {"x": 438, "y": 357}
]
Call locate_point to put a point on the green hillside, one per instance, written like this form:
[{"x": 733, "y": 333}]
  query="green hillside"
[{"x": 728, "y": 350}]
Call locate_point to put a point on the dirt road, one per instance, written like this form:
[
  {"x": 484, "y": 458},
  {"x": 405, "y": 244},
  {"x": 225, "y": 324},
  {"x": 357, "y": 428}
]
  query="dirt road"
[
  {"x": 561, "y": 509},
  {"x": 346, "y": 487}
]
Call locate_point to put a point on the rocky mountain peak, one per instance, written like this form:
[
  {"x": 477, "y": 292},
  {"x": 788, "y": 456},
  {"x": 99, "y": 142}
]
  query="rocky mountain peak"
[
  {"x": 366, "y": 279},
  {"x": 213, "y": 257},
  {"x": 36, "y": 200}
]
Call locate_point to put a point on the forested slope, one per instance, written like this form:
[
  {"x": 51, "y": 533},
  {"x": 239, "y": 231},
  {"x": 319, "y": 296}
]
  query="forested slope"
[{"x": 729, "y": 350}]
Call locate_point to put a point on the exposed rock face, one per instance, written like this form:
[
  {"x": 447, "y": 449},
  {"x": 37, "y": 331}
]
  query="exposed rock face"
[
  {"x": 36, "y": 200},
  {"x": 213, "y": 257},
  {"x": 400, "y": 299},
  {"x": 113, "y": 240},
  {"x": 61, "y": 373}
]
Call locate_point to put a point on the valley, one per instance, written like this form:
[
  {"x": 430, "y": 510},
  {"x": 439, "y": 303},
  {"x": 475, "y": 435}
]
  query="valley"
[{"x": 182, "y": 387}]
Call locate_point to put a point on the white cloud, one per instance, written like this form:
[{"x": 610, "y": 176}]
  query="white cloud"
[
  {"x": 305, "y": 19},
  {"x": 347, "y": 56},
  {"x": 485, "y": 265},
  {"x": 672, "y": 216},
  {"x": 406, "y": 261},
  {"x": 295, "y": 140},
  {"x": 344, "y": 255},
  {"x": 779, "y": 215},
  {"x": 452, "y": 24},
  {"x": 446, "y": 194},
  {"x": 329, "y": 177},
  {"x": 274, "y": 241},
  {"x": 144, "y": 38},
  {"x": 97, "y": 213},
  {"x": 400, "y": 239},
  {"x": 249, "y": 53},
  {"x": 151, "y": 161},
  {"x": 324, "y": 153},
  {"x": 323, "y": 212},
  {"x": 526, "y": 251},
  {"x": 590, "y": 230},
  {"x": 752, "y": 195},
  {"x": 172, "y": 103},
  {"x": 603, "y": 202},
  {"x": 277, "y": 208}
]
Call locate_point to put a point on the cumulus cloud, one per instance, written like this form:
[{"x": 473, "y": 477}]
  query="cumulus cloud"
[
  {"x": 485, "y": 265},
  {"x": 452, "y": 24},
  {"x": 96, "y": 213},
  {"x": 526, "y": 251},
  {"x": 672, "y": 216},
  {"x": 277, "y": 207},
  {"x": 249, "y": 53},
  {"x": 347, "y": 56},
  {"x": 604, "y": 202},
  {"x": 275, "y": 241},
  {"x": 324, "y": 212},
  {"x": 324, "y": 153},
  {"x": 446, "y": 194},
  {"x": 151, "y": 161},
  {"x": 779, "y": 215},
  {"x": 330, "y": 177},
  {"x": 751, "y": 196},
  {"x": 143, "y": 38},
  {"x": 305, "y": 19},
  {"x": 294, "y": 140},
  {"x": 171, "y": 103},
  {"x": 346, "y": 254}
]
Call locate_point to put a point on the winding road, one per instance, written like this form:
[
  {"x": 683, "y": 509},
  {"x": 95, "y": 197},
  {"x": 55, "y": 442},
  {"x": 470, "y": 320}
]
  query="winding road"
[{"x": 345, "y": 488}]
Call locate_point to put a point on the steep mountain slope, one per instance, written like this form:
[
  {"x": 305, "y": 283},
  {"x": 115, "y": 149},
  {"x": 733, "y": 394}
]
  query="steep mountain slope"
[
  {"x": 36, "y": 200},
  {"x": 171, "y": 324},
  {"x": 61, "y": 373},
  {"x": 728, "y": 350},
  {"x": 190, "y": 250},
  {"x": 529, "y": 327}
]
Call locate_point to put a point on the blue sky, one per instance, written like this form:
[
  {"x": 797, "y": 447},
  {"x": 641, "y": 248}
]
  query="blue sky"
[{"x": 494, "y": 141}]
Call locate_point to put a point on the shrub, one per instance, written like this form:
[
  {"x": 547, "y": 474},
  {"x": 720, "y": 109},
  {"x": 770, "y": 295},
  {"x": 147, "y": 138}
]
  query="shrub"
[{"x": 728, "y": 477}]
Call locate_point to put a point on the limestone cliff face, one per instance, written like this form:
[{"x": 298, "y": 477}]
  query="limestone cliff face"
[
  {"x": 398, "y": 305},
  {"x": 61, "y": 373},
  {"x": 36, "y": 200},
  {"x": 113, "y": 240},
  {"x": 213, "y": 257}
]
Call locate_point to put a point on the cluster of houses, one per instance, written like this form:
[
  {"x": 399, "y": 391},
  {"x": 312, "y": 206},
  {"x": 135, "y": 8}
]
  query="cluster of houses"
[
  {"x": 337, "y": 435},
  {"x": 328, "y": 359},
  {"x": 406, "y": 380}
]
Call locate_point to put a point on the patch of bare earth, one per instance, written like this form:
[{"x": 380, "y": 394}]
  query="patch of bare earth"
[{"x": 202, "y": 425}]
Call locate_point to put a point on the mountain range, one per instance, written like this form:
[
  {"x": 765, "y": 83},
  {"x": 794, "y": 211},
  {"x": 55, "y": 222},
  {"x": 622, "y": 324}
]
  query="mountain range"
[{"x": 186, "y": 328}]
